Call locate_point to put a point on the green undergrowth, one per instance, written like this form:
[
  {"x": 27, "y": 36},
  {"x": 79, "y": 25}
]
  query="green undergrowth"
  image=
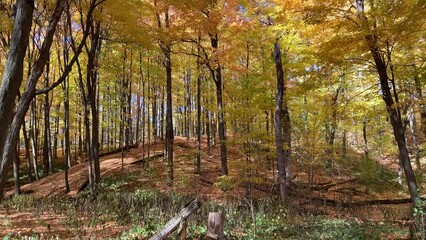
[{"x": 144, "y": 211}]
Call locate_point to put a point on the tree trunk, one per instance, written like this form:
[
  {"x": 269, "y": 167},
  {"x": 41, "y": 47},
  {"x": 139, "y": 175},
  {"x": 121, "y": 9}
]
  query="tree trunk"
[
  {"x": 413, "y": 129},
  {"x": 16, "y": 163},
  {"x": 331, "y": 127},
  {"x": 169, "y": 119},
  {"x": 217, "y": 77},
  {"x": 89, "y": 154},
  {"x": 138, "y": 107},
  {"x": 144, "y": 106},
  {"x": 162, "y": 114},
  {"x": 148, "y": 112},
  {"x": 166, "y": 49},
  {"x": 47, "y": 157},
  {"x": 27, "y": 152},
  {"x": 267, "y": 122},
  {"x": 422, "y": 106},
  {"x": 122, "y": 120},
  {"x": 154, "y": 112},
  {"x": 345, "y": 144},
  {"x": 364, "y": 135},
  {"x": 286, "y": 139},
  {"x": 198, "y": 157},
  {"x": 188, "y": 103},
  {"x": 55, "y": 134},
  {"x": 34, "y": 137},
  {"x": 80, "y": 137},
  {"x": 129, "y": 132},
  {"x": 279, "y": 140},
  {"x": 65, "y": 87},
  {"x": 208, "y": 132},
  {"x": 92, "y": 83},
  {"x": 67, "y": 133}
]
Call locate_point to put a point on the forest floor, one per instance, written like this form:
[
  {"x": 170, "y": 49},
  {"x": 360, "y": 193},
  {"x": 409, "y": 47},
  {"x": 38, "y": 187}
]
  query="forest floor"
[{"x": 44, "y": 207}]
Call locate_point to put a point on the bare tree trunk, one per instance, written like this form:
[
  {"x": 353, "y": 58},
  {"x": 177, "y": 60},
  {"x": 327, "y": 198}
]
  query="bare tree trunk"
[
  {"x": 344, "y": 144},
  {"x": 55, "y": 134},
  {"x": 129, "y": 132},
  {"x": 67, "y": 133},
  {"x": 169, "y": 119},
  {"x": 65, "y": 87},
  {"x": 144, "y": 106},
  {"x": 149, "y": 85},
  {"x": 162, "y": 114},
  {"x": 47, "y": 159},
  {"x": 217, "y": 77},
  {"x": 364, "y": 135},
  {"x": 86, "y": 120},
  {"x": 199, "y": 78},
  {"x": 267, "y": 121},
  {"x": 188, "y": 103},
  {"x": 122, "y": 120},
  {"x": 34, "y": 137},
  {"x": 108, "y": 120},
  {"x": 166, "y": 49},
  {"x": 16, "y": 163},
  {"x": 208, "y": 132},
  {"x": 422, "y": 106},
  {"x": 92, "y": 83},
  {"x": 279, "y": 141},
  {"x": 80, "y": 137},
  {"x": 331, "y": 128},
  {"x": 154, "y": 112},
  {"x": 413, "y": 129},
  {"x": 286, "y": 139},
  {"x": 27, "y": 152},
  {"x": 139, "y": 102}
]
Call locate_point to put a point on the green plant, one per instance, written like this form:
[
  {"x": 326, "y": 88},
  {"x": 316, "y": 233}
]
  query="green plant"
[
  {"x": 5, "y": 221},
  {"x": 196, "y": 231},
  {"x": 138, "y": 232},
  {"x": 224, "y": 183},
  {"x": 324, "y": 228}
]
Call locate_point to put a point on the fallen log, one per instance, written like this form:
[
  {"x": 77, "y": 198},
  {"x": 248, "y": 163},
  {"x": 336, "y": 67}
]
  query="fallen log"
[
  {"x": 331, "y": 202},
  {"x": 321, "y": 186},
  {"x": 173, "y": 224},
  {"x": 148, "y": 159},
  {"x": 118, "y": 150}
]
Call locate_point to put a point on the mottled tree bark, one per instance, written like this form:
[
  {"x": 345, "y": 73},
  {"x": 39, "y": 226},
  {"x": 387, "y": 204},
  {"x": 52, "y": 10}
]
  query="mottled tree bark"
[
  {"x": 279, "y": 122},
  {"x": 216, "y": 72}
]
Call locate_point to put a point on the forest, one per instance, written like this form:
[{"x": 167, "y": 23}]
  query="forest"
[{"x": 212, "y": 119}]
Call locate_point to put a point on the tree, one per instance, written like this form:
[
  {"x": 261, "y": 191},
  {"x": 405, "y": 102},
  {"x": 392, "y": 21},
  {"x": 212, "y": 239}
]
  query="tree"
[
  {"x": 12, "y": 78},
  {"x": 14, "y": 72}
]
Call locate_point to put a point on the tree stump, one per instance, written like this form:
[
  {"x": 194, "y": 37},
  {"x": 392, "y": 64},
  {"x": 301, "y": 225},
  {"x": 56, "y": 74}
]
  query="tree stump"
[{"x": 215, "y": 226}]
